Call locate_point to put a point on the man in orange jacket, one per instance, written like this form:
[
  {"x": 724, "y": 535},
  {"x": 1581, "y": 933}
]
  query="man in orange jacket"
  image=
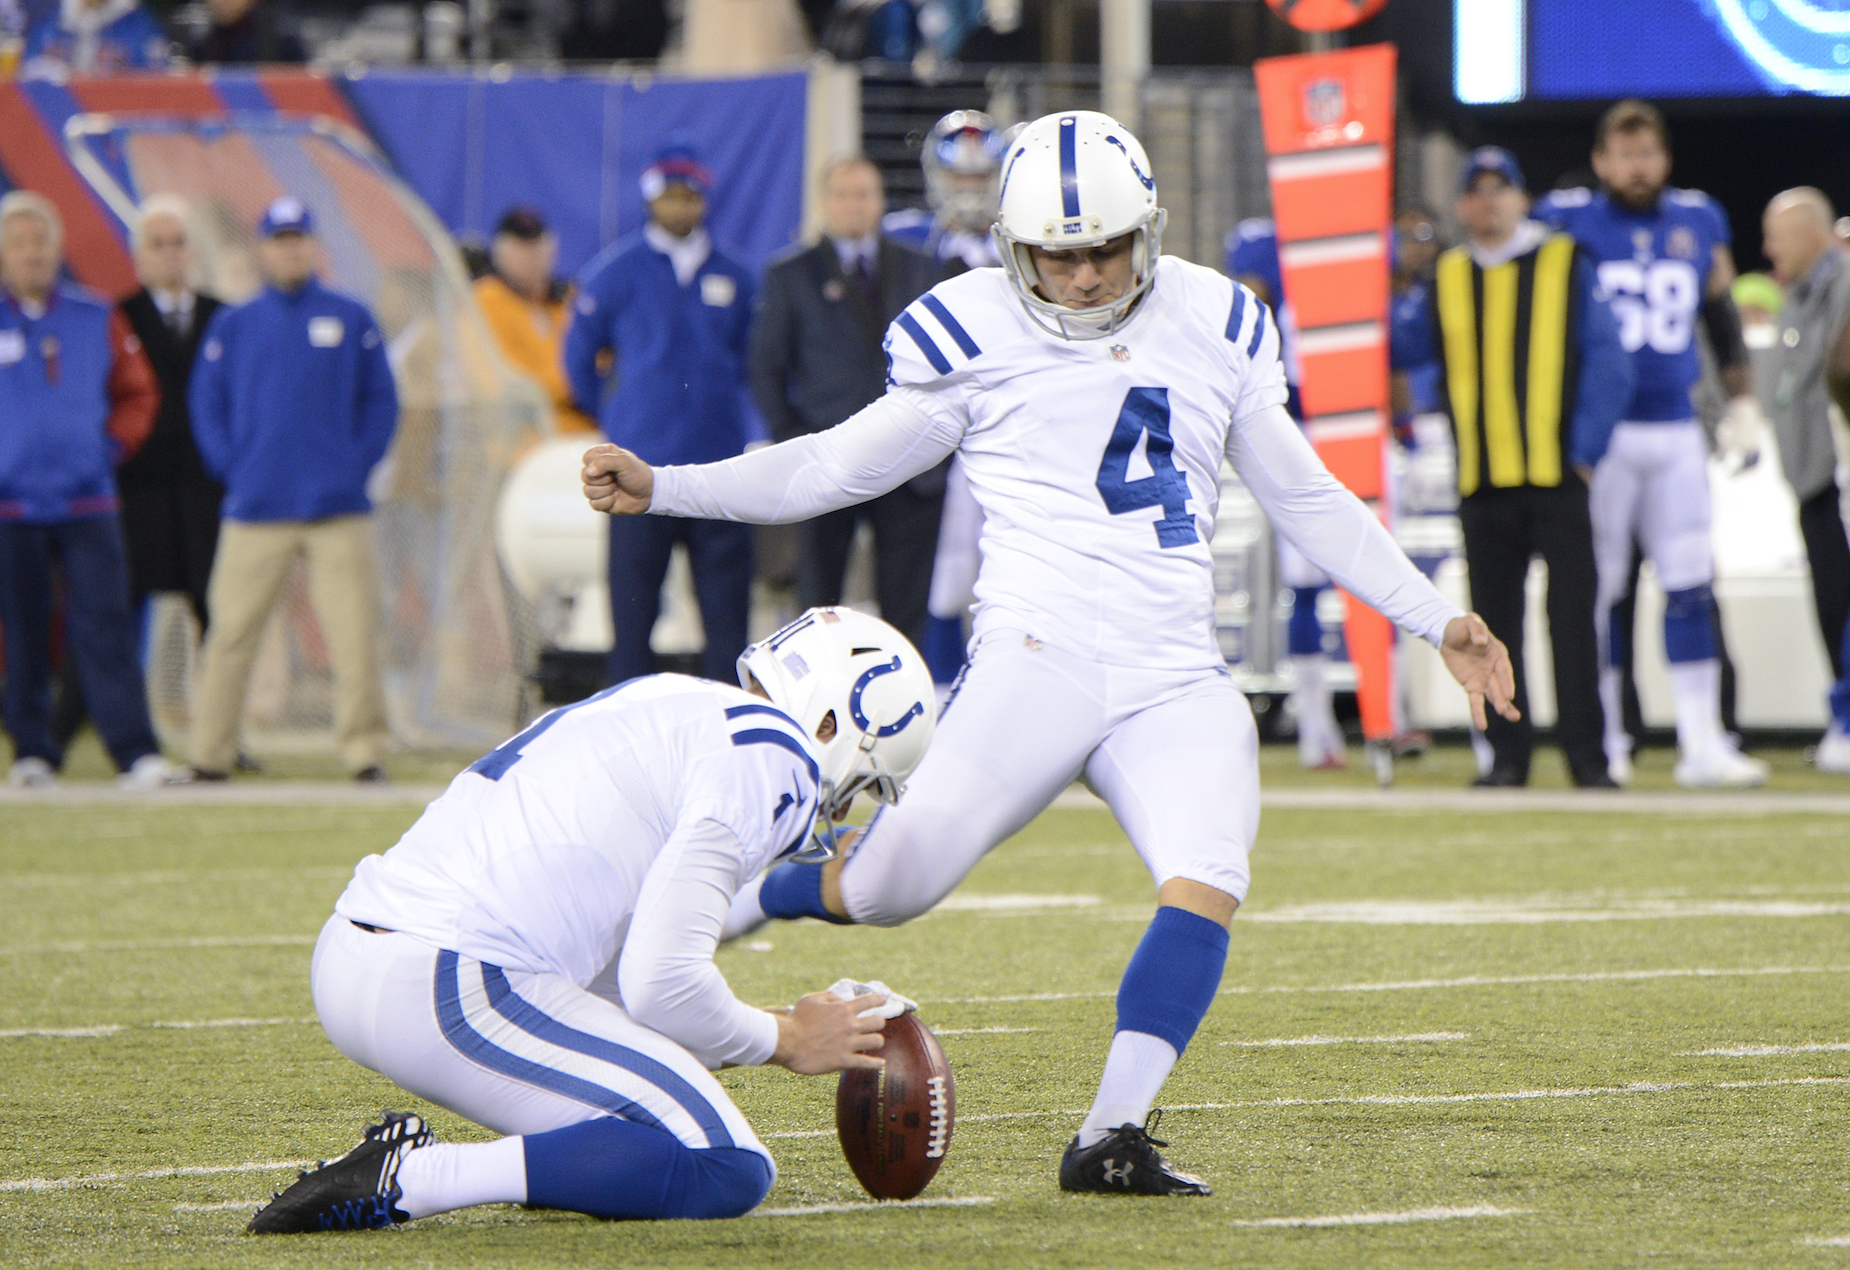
[{"x": 526, "y": 308}]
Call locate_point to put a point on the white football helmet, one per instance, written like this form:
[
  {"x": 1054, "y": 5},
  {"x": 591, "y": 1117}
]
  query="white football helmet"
[
  {"x": 865, "y": 673},
  {"x": 961, "y": 158},
  {"x": 1077, "y": 179}
]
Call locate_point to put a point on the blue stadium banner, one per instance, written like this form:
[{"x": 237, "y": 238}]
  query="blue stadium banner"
[{"x": 574, "y": 146}]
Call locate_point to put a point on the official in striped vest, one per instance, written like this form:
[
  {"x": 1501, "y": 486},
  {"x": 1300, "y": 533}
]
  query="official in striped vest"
[{"x": 1534, "y": 378}]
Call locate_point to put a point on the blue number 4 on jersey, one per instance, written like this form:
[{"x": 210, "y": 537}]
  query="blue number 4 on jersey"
[{"x": 1146, "y": 414}]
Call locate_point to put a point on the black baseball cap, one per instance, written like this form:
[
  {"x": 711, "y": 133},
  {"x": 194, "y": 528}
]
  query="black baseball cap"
[{"x": 522, "y": 222}]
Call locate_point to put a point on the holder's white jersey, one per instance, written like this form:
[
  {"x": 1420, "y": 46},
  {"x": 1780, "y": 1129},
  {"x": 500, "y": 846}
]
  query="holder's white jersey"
[
  {"x": 1097, "y": 464},
  {"x": 604, "y": 843}
]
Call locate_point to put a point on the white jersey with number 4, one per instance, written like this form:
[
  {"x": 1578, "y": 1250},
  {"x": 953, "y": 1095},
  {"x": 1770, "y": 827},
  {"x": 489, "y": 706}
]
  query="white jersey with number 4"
[
  {"x": 622, "y": 824},
  {"x": 1097, "y": 464}
]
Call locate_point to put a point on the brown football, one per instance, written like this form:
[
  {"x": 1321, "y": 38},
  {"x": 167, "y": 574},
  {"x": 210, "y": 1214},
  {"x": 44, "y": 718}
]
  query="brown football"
[{"x": 895, "y": 1123}]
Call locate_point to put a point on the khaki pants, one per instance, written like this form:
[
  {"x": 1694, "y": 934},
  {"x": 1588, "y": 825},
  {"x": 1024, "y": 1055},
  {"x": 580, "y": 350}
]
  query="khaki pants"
[{"x": 247, "y": 579}]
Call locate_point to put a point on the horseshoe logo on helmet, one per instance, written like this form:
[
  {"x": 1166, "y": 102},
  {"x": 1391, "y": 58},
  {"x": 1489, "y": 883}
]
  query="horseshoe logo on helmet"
[
  {"x": 1149, "y": 182},
  {"x": 861, "y": 720}
]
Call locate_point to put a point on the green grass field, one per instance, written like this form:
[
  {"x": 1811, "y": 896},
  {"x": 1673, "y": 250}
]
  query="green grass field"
[{"x": 1490, "y": 1024}]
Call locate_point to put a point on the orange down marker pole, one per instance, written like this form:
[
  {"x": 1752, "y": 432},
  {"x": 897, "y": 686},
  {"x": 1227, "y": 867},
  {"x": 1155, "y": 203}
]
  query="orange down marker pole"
[{"x": 1329, "y": 138}]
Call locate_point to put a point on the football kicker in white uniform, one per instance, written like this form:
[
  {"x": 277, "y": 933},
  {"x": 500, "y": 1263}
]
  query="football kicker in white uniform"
[
  {"x": 536, "y": 953},
  {"x": 1092, "y": 389}
]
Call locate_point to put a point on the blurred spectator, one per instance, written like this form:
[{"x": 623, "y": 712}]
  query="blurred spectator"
[
  {"x": 526, "y": 309},
  {"x": 76, "y": 396},
  {"x": 1415, "y": 251},
  {"x": 293, "y": 405},
  {"x": 170, "y": 503},
  {"x": 244, "y": 32},
  {"x": 1799, "y": 242},
  {"x": 675, "y": 313},
  {"x": 1535, "y": 378},
  {"x": 817, "y": 357},
  {"x": 95, "y": 37}
]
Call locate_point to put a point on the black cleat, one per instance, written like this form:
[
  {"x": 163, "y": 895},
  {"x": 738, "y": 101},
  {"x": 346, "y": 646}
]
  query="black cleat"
[
  {"x": 359, "y": 1191},
  {"x": 1126, "y": 1162}
]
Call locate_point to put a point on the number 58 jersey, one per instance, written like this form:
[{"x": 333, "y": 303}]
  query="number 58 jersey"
[
  {"x": 1097, "y": 463},
  {"x": 1654, "y": 269}
]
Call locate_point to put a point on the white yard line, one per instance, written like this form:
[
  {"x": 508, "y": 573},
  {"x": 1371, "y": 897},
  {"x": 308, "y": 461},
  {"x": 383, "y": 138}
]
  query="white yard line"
[
  {"x": 99, "y": 1029},
  {"x": 1526, "y": 801},
  {"x": 1825, "y": 1241},
  {"x": 1420, "y": 985},
  {"x": 1380, "y": 1219},
  {"x": 1768, "y": 1051},
  {"x": 1534, "y": 911},
  {"x": 227, "y": 1206},
  {"x": 196, "y": 1023},
  {"x": 160, "y": 945},
  {"x": 1407, "y": 1037},
  {"x": 981, "y": 1031},
  {"x": 878, "y": 1206},
  {"x": 151, "y": 1175},
  {"x": 1364, "y": 1100}
]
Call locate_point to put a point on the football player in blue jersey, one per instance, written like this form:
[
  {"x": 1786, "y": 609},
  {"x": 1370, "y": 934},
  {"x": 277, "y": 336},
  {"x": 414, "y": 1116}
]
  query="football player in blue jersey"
[{"x": 1664, "y": 263}]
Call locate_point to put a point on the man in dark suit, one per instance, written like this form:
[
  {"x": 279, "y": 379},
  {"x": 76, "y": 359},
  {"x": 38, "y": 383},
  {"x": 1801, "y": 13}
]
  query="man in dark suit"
[
  {"x": 169, "y": 503},
  {"x": 816, "y": 358}
]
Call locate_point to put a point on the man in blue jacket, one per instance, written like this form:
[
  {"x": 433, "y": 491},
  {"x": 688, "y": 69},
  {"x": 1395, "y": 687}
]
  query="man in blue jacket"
[
  {"x": 293, "y": 405},
  {"x": 675, "y": 314},
  {"x": 77, "y": 396}
]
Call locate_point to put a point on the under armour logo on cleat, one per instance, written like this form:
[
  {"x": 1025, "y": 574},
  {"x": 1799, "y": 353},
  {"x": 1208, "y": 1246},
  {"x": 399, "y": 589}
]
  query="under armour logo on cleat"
[{"x": 1117, "y": 1176}]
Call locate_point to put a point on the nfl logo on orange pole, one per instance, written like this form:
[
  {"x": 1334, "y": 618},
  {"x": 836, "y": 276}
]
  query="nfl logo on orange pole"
[{"x": 1329, "y": 134}]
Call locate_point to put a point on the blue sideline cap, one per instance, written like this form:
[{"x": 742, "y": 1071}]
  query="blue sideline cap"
[
  {"x": 1487, "y": 161},
  {"x": 286, "y": 216},
  {"x": 675, "y": 163}
]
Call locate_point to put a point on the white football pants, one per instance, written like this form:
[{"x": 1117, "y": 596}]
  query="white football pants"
[
  {"x": 1174, "y": 753},
  {"x": 513, "y": 1051},
  {"x": 1651, "y": 487}
]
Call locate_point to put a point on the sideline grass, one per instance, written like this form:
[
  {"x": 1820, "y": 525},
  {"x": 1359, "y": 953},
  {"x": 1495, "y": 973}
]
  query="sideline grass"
[{"x": 132, "y": 916}]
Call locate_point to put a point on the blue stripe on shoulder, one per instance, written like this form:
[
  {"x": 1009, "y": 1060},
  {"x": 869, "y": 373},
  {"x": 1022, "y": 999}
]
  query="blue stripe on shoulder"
[
  {"x": 771, "y": 736},
  {"x": 472, "y": 1045},
  {"x": 734, "y": 712},
  {"x": 1238, "y": 315},
  {"x": 951, "y": 324},
  {"x": 1252, "y": 345},
  {"x": 939, "y": 362}
]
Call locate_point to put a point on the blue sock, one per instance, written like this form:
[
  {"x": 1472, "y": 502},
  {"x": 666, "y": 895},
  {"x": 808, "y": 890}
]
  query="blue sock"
[
  {"x": 1173, "y": 976},
  {"x": 942, "y": 647},
  {"x": 1304, "y": 634},
  {"x": 1689, "y": 625},
  {"x": 620, "y": 1169},
  {"x": 794, "y": 890}
]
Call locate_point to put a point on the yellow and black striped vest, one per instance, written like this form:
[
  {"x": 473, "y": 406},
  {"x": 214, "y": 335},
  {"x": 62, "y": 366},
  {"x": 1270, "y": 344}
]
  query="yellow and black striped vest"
[{"x": 1508, "y": 341}]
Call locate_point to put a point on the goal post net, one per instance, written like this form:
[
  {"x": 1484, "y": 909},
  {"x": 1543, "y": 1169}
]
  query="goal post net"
[{"x": 457, "y": 641}]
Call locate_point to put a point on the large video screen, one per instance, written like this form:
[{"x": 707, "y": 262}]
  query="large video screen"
[{"x": 1555, "y": 50}]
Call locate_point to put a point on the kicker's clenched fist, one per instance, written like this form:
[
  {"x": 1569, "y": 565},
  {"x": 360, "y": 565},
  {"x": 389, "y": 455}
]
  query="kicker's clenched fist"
[{"x": 616, "y": 481}]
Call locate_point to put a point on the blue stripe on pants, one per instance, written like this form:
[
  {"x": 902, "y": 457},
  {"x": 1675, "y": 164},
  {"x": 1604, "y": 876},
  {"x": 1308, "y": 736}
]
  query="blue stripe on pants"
[{"x": 461, "y": 1034}]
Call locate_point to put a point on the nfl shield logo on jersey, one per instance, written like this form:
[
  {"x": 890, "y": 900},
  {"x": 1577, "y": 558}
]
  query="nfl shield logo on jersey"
[
  {"x": 1119, "y": 353},
  {"x": 1681, "y": 242}
]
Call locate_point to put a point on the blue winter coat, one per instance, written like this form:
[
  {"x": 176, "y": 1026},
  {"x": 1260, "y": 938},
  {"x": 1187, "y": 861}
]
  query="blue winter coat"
[{"x": 293, "y": 404}]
